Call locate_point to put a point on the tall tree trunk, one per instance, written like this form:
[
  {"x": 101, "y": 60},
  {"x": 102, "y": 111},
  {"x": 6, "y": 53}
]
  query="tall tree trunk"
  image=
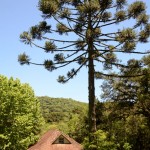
[
  {"x": 91, "y": 84},
  {"x": 91, "y": 88}
]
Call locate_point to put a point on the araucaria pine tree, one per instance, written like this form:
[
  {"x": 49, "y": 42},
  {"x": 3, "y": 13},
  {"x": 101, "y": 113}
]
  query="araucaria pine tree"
[{"x": 90, "y": 33}]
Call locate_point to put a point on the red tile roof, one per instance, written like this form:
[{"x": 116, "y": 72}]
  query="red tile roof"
[{"x": 46, "y": 142}]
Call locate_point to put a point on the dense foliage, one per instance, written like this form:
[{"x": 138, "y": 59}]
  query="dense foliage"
[
  {"x": 122, "y": 120},
  {"x": 60, "y": 109},
  {"x": 20, "y": 115},
  {"x": 66, "y": 115},
  {"x": 98, "y": 33},
  {"x": 124, "y": 117}
]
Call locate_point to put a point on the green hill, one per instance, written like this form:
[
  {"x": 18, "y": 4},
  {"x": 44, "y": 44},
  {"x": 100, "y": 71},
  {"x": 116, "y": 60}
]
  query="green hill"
[{"x": 60, "y": 109}]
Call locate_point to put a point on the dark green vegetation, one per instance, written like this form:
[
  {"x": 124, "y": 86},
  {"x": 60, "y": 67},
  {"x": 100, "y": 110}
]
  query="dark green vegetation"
[
  {"x": 123, "y": 120},
  {"x": 64, "y": 114},
  {"x": 60, "y": 109},
  {"x": 98, "y": 32},
  {"x": 20, "y": 115}
]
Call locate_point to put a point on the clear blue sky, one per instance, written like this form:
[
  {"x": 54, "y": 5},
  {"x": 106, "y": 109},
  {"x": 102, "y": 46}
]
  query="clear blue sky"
[{"x": 17, "y": 16}]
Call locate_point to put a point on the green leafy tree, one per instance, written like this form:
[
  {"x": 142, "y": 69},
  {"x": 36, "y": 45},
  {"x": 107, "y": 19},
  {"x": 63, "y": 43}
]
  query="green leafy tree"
[
  {"x": 128, "y": 117},
  {"x": 101, "y": 141},
  {"x": 20, "y": 115},
  {"x": 135, "y": 89},
  {"x": 125, "y": 125},
  {"x": 95, "y": 39}
]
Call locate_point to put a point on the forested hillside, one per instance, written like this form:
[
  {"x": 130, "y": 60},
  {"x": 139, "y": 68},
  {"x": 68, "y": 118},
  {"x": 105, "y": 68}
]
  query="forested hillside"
[
  {"x": 60, "y": 109},
  {"x": 66, "y": 115}
]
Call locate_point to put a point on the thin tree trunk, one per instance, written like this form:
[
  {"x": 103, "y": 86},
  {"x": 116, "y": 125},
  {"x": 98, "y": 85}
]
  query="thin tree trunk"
[
  {"x": 91, "y": 89},
  {"x": 91, "y": 84}
]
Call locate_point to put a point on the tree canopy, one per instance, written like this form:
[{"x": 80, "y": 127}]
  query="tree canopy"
[{"x": 20, "y": 114}]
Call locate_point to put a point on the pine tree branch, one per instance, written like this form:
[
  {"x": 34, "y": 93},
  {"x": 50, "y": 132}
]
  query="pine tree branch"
[
  {"x": 73, "y": 9},
  {"x": 119, "y": 65},
  {"x": 106, "y": 40},
  {"x": 74, "y": 73},
  {"x": 106, "y": 46},
  {"x": 113, "y": 22},
  {"x": 98, "y": 75},
  {"x": 110, "y": 33},
  {"x": 103, "y": 45},
  {"x": 76, "y": 21},
  {"x": 98, "y": 19},
  {"x": 70, "y": 29},
  {"x": 69, "y": 62},
  {"x": 62, "y": 41},
  {"x": 57, "y": 49},
  {"x": 67, "y": 46},
  {"x": 79, "y": 34},
  {"x": 148, "y": 52}
]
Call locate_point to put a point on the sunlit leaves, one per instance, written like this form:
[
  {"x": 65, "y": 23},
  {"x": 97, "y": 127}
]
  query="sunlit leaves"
[
  {"x": 21, "y": 119},
  {"x": 50, "y": 46},
  {"x": 49, "y": 65},
  {"x": 136, "y": 9},
  {"x": 23, "y": 59}
]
